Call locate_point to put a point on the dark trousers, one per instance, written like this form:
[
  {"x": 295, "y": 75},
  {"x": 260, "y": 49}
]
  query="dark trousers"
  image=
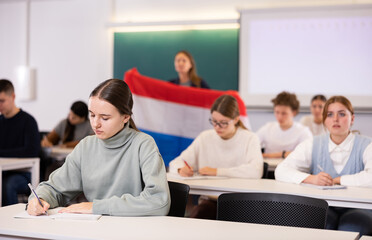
[
  {"x": 14, "y": 183},
  {"x": 206, "y": 209},
  {"x": 350, "y": 219}
]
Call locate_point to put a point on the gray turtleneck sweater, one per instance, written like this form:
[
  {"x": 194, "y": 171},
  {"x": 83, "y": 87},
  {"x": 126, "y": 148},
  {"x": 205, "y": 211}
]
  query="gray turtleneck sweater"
[{"x": 123, "y": 176}]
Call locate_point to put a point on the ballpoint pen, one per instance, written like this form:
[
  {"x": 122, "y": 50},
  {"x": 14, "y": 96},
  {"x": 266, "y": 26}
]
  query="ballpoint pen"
[
  {"x": 187, "y": 164},
  {"x": 34, "y": 193},
  {"x": 320, "y": 168}
]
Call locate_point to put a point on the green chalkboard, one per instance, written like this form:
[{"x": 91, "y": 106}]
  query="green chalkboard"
[{"x": 216, "y": 54}]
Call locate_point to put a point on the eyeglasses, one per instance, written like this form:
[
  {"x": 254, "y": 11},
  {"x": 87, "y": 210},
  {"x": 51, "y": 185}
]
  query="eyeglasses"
[{"x": 223, "y": 124}]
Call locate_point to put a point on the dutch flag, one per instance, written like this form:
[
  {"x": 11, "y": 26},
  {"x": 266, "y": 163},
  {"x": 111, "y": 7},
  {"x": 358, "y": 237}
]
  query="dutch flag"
[{"x": 173, "y": 115}]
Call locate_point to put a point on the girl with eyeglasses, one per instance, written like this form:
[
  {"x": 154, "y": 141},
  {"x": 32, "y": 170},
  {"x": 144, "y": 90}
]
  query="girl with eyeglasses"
[
  {"x": 281, "y": 137},
  {"x": 227, "y": 150},
  {"x": 340, "y": 157}
]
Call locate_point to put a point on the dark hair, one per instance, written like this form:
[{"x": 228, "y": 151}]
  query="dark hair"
[
  {"x": 80, "y": 109},
  {"x": 340, "y": 99},
  {"x": 6, "y": 86},
  {"x": 319, "y": 97},
  {"x": 287, "y": 99},
  {"x": 117, "y": 93},
  {"x": 195, "y": 79},
  {"x": 227, "y": 106}
]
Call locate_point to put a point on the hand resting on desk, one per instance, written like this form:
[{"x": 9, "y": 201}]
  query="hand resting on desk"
[{"x": 322, "y": 179}]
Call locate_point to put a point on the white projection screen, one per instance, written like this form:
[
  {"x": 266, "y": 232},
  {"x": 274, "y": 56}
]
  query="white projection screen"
[{"x": 307, "y": 51}]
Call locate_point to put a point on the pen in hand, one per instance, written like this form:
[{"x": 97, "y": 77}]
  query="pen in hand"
[
  {"x": 320, "y": 168},
  {"x": 34, "y": 193}
]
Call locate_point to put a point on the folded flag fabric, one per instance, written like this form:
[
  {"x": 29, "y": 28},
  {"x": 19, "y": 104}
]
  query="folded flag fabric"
[{"x": 173, "y": 115}]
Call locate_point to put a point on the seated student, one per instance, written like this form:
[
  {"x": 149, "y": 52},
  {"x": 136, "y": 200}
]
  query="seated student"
[
  {"x": 119, "y": 169},
  {"x": 339, "y": 157},
  {"x": 19, "y": 138},
  {"x": 315, "y": 121},
  {"x": 281, "y": 137},
  {"x": 227, "y": 150},
  {"x": 185, "y": 66},
  {"x": 70, "y": 130}
]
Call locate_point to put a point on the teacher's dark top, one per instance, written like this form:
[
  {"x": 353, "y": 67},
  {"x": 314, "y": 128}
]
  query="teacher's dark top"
[{"x": 203, "y": 84}]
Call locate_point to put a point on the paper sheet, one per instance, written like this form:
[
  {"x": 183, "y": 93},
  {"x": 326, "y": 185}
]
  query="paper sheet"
[
  {"x": 324, "y": 187},
  {"x": 53, "y": 214}
]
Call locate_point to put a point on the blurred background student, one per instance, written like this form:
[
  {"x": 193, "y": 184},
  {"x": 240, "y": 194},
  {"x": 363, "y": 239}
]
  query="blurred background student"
[
  {"x": 185, "y": 66},
  {"x": 228, "y": 150},
  {"x": 66, "y": 134},
  {"x": 70, "y": 130},
  {"x": 340, "y": 157},
  {"x": 19, "y": 138},
  {"x": 281, "y": 137},
  {"x": 315, "y": 121}
]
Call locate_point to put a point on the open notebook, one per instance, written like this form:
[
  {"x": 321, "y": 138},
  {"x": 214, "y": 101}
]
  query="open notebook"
[
  {"x": 324, "y": 187},
  {"x": 53, "y": 214},
  {"x": 195, "y": 177}
]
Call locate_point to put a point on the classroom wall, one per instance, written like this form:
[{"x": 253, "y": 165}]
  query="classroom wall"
[{"x": 71, "y": 47}]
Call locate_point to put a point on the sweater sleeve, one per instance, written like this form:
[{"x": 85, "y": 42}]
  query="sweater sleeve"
[
  {"x": 65, "y": 183},
  {"x": 31, "y": 147},
  {"x": 154, "y": 198},
  {"x": 296, "y": 167},
  {"x": 253, "y": 163}
]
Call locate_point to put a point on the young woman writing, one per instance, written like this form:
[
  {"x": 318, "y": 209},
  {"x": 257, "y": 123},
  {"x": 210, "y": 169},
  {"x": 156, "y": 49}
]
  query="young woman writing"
[
  {"x": 339, "y": 157},
  {"x": 227, "y": 150},
  {"x": 71, "y": 130},
  {"x": 119, "y": 169}
]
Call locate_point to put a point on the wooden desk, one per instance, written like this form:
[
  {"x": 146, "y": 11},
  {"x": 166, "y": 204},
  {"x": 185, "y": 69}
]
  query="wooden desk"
[
  {"x": 29, "y": 164},
  {"x": 273, "y": 163},
  {"x": 155, "y": 228},
  {"x": 352, "y": 197}
]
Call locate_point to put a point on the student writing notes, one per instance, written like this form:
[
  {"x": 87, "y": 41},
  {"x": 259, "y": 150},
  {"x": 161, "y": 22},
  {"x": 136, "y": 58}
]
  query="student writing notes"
[
  {"x": 281, "y": 137},
  {"x": 119, "y": 169},
  {"x": 339, "y": 157},
  {"x": 71, "y": 130},
  {"x": 227, "y": 150}
]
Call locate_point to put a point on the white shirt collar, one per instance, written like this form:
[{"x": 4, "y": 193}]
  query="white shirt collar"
[{"x": 346, "y": 145}]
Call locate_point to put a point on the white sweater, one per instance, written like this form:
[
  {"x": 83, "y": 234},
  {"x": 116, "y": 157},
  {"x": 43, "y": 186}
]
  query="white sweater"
[
  {"x": 239, "y": 156},
  {"x": 274, "y": 139}
]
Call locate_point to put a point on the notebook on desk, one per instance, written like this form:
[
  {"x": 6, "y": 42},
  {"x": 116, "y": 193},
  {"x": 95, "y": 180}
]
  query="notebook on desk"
[
  {"x": 53, "y": 214},
  {"x": 324, "y": 187},
  {"x": 195, "y": 177}
]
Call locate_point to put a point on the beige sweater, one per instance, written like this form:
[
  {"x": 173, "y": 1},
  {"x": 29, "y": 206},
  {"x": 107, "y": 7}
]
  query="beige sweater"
[{"x": 239, "y": 156}]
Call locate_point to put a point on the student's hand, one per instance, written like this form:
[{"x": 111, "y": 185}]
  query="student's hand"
[
  {"x": 186, "y": 171},
  {"x": 84, "y": 207},
  {"x": 322, "y": 179},
  {"x": 46, "y": 143},
  {"x": 34, "y": 208},
  {"x": 337, "y": 180},
  {"x": 208, "y": 171}
]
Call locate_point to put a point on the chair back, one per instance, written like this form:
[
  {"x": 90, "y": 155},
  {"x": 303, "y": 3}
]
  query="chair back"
[
  {"x": 265, "y": 173},
  {"x": 272, "y": 209},
  {"x": 179, "y": 194}
]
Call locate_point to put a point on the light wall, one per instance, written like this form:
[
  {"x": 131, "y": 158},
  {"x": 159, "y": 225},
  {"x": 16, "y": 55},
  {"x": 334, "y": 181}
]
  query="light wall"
[{"x": 70, "y": 45}]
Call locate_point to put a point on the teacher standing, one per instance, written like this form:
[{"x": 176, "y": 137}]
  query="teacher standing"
[{"x": 185, "y": 66}]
